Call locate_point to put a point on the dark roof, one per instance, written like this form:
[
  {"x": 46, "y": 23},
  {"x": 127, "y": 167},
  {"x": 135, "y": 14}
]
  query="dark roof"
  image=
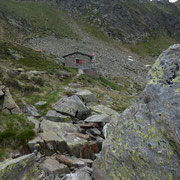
[{"x": 78, "y": 53}]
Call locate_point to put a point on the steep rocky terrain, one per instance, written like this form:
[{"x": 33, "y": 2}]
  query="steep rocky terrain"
[{"x": 129, "y": 21}]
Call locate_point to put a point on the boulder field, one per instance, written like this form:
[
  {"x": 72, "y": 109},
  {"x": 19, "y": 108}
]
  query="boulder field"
[{"x": 79, "y": 139}]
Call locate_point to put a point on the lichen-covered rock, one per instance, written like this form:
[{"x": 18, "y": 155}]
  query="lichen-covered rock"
[
  {"x": 22, "y": 168},
  {"x": 101, "y": 109},
  {"x": 72, "y": 106},
  {"x": 144, "y": 143}
]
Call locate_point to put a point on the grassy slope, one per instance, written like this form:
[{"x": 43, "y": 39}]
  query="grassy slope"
[
  {"x": 151, "y": 46},
  {"x": 15, "y": 131},
  {"x": 155, "y": 44},
  {"x": 44, "y": 18}
]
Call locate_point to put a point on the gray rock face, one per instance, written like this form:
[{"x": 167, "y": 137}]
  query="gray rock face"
[
  {"x": 20, "y": 168},
  {"x": 1, "y": 93},
  {"x": 40, "y": 103},
  {"x": 101, "y": 109},
  {"x": 31, "y": 110},
  {"x": 144, "y": 143},
  {"x": 57, "y": 117},
  {"x": 72, "y": 106},
  {"x": 87, "y": 96},
  {"x": 102, "y": 118},
  {"x": 35, "y": 122},
  {"x": 94, "y": 131},
  {"x": 81, "y": 174},
  {"x": 9, "y": 105}
]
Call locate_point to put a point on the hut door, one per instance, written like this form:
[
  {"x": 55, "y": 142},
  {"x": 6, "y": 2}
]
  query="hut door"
[{"x": 80, "y": 61}]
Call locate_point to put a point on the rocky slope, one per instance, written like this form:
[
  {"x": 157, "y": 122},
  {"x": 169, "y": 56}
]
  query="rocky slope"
[
  {"x": 140, "y": 143},
  {"x": 68, "y": 36},
  {"x": 144, "y": 143},
  {"x": 129, "y": 21}
]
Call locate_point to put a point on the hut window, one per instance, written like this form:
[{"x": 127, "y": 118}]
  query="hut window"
[{"x": 77, "y": 60}]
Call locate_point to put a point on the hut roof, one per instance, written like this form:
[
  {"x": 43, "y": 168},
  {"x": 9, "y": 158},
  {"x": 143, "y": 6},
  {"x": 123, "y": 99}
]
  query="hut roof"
[{"x": 78, "y": 53}]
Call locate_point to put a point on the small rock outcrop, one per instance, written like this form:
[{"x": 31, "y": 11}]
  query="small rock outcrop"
[
  {"x": 144, "y": 143},
  {"x": 7, "y": 103},
  {"x": 52, "y": 167},
  {"x": 30, "y": 110},
  {"x": 72, "y": 106}
]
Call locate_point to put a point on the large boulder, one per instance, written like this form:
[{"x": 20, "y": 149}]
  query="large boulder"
[
  {"x": 144, "y": 143},
  {"x": 21, "y": 168},
  {"x": 87, "y": 96},
  {"x": 72, "y": 106}
]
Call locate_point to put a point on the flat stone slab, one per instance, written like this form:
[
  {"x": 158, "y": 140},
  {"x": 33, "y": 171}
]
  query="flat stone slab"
[
  {"x": 71, "y": 161},
  {"x": 94, "y": 131},
  {"x": 102, "y": 118},
  {"x": 40, "y": 103},
  {"x": 104, "y": 110},
  {"x": 53, "y": 167},
  {"x": 57, "y": 117}
]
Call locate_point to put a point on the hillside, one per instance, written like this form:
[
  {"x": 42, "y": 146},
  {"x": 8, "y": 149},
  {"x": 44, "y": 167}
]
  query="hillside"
[
  {"x": 54, "y": 121},
  {"x": 129, "y": 21}
]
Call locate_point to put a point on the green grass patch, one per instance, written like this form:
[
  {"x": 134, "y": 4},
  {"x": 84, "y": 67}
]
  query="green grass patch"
[
  {"x": 153, "y": 46},
  {"x": 28, "y": 57},
  {"x": 113, "y": 85},
  {"x": 49, "y": 96},
  {"x": 15, "y": 130},
  {"x": 44, "y": 18},
  {"x": 2, "y": 153},
  {"x": 95, "y": 32}
]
